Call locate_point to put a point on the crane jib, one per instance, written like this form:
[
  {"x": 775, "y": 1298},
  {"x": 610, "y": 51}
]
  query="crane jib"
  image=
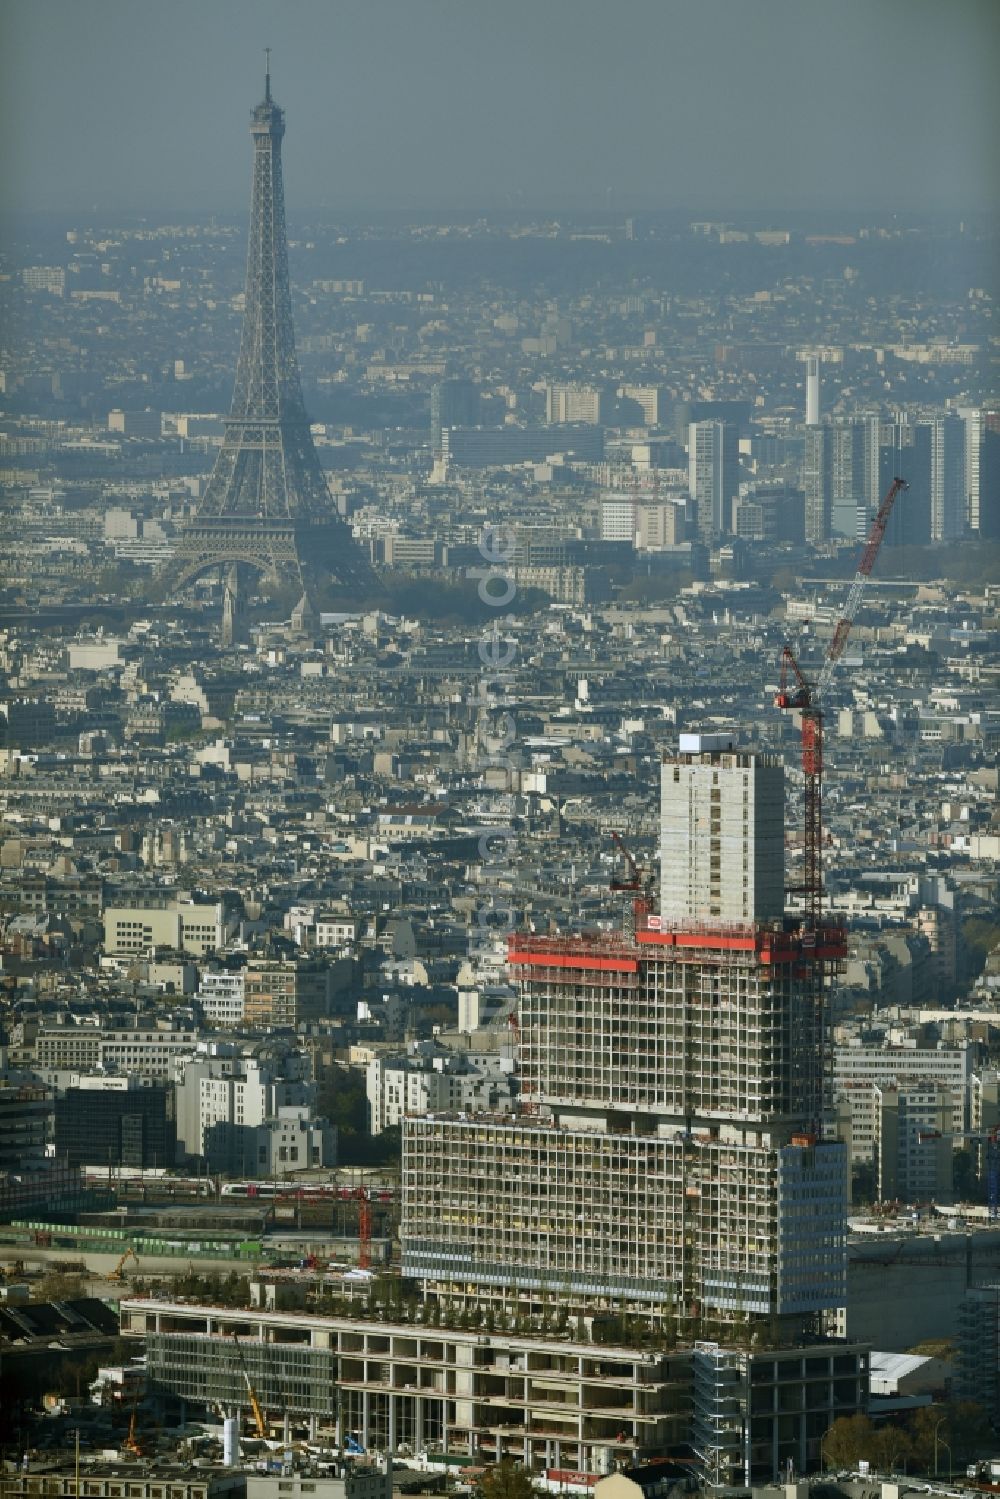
[{"x": 807, "y": 698}]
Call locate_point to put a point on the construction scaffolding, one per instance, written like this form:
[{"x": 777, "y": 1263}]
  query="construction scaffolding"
[
  {"x": 715, "y": 1022},
  {"x": 667, "y": 1168}
]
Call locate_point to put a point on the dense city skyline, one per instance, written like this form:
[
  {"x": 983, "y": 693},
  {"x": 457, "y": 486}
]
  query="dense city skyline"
[
  {"x": 499, "y": 897},
  {"x": 675, "y": 105}
]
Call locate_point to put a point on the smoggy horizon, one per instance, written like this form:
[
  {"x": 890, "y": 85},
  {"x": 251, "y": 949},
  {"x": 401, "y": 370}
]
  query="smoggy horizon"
[{"x": 674, "y": 106}]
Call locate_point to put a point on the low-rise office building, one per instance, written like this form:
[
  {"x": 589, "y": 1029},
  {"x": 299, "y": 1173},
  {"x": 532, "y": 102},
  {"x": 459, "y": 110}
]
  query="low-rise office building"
[
  {"x": 113, "y": 1480},
  {"x": 114, "y": 1122},
  {"x": 183, "y": 926},
  {"x": 358, "y": 1481}
]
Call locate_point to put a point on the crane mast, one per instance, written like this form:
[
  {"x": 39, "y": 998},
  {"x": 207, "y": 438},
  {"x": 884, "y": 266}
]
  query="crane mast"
[
  {"x": 641, "y": 886},
  {"x": 806, "y": 698},
  {"x": 132, "y": 1443},
  {"x": 258, "y": 1414},
  {"x": 364, "y": 1228}
]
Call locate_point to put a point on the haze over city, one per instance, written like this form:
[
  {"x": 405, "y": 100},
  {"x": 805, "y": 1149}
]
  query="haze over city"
[{"x": 695, "y": 104}]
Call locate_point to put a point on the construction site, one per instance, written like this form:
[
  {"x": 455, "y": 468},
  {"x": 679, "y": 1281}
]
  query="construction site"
[
  {"x": 650, "y": 1254},
  {"x": 672, "y": 1172},
  {"x": 667, "y": 1176}
]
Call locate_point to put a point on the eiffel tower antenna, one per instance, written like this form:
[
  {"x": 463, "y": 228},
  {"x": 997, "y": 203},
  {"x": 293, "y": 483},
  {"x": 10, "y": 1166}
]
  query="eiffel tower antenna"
[{"x": 266, "y": 507}]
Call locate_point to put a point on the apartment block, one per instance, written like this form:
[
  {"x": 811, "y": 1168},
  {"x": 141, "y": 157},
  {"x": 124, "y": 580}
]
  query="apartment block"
[
  {"x": 949, "y": 487},
  {"x": 722, "y": 833},
  {"x": 180, "y": 925},
  {"x": 406, "y": 1085},
  {"x": 50, "y": 278},
  {"x": 145, "y": 423},
  {"x": 24, "y": 1119},
  {"x": 336, "y": 931},
  {"x": 232, "y": 1090},
  {"x": 858, "y": 1068},
  {"x": 359, "y": 1481},
  {"x": 114, "y": 1480},
  {"x": 914, "y": 1155},
  {"x": 564, "y": 585},
  {"x": 653, "y": 401},
  {"x": 713, "y": 477},
  {"x": 280, "y": 991},
  {"x": 660, "y": 525},
  {"x": 81, "y": 895},
  {"x": 837, "y": 477},
  {"x": 101, "y": 1125},
  {"x": 71, "y": 1047},
  {"x": 574, "y": 403},
  {"x": 289, "y": 1140},
  {"x": 221, "y": 997},
  {"x": 454, "y": 403},
  {"x": 147, "y": 1051},
  {"x": 489, "y": 447},
  {"x": 26, "y": 723},
  {"x": 978, "y": 1347},
  {"x": 618, "y": 518}
]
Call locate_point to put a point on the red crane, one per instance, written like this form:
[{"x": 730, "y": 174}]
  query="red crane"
[
  {"x": 807, "y": 697},
  {"x": 364, "y": 1228},
  {"x": 636, "y": 882}
]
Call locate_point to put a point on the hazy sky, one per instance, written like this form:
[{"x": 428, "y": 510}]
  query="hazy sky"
[{"x": 703, "y": 104}]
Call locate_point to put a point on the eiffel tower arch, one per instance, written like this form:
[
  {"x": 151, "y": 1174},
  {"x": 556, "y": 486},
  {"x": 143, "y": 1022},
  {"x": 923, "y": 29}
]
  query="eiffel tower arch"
[{"x": 267, "y": 508}]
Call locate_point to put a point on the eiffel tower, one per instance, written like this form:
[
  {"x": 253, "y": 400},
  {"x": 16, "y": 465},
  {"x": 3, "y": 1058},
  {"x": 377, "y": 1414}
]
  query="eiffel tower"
[{"x": 267, "y": 507}]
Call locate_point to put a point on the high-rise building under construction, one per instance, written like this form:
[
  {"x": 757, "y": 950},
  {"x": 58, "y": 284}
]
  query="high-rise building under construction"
[
  {"x": 668, "y": 1171},
  {"x": 642, "y": 1261}
]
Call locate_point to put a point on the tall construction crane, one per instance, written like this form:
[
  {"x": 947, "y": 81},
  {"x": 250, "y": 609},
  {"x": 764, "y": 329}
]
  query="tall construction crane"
[
  {"x": 641, "y": 886},
  {"x": 807, "y": 697},
  {"x": 364, "y": 1228},
  {"x": 132, "y": 1443},
  {"x": 505, "y": 1018},
  {"x": 258, "y": 1414}
]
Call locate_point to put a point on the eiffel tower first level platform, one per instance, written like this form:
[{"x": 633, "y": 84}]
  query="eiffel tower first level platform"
[
  {"x": 301, "y": 553},
  {"x": 267, "y": 508}
]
